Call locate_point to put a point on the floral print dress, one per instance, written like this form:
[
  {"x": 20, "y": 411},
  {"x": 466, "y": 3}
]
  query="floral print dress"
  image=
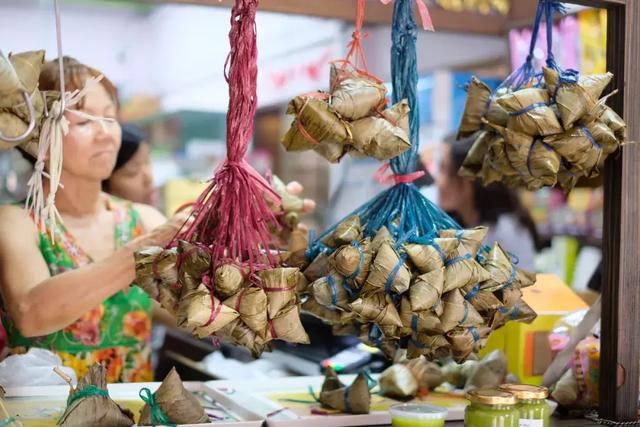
[{"x": 116, "y": 333}]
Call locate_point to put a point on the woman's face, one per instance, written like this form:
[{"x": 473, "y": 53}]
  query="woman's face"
[
  {"x": 454, "y": 192},
  {"x": 91, "y": 146},
  {"x": 134, "y": 180}
]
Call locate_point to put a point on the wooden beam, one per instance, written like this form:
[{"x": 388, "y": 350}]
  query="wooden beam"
[
  {"x": 620, "y": 340},
  {"x": 376, "y": 13}
]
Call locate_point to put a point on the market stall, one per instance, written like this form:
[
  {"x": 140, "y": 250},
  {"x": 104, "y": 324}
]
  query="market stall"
[{"x": 398, "y": 273}]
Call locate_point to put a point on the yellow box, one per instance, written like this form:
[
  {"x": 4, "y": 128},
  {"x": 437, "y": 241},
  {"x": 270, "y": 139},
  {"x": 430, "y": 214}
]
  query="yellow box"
[
  {"x": 179, "y": 191},
  {"x": 551, "y": 299}
]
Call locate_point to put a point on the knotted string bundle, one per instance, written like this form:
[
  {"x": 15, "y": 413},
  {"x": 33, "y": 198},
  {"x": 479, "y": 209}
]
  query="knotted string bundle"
[
  {"x": 353, "y": 116},
  {"x": 220, "y": 275},
  {"x": 231, "y": 215},
  {"x": 395, "y": 271},
  {"x": 540, "y": 128}
]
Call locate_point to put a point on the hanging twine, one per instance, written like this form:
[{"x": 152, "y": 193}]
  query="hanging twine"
[
  {"x": 50, "y": 149},
  {"x": 231, "y": 215}
]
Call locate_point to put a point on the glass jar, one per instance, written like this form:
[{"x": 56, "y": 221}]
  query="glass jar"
[
  {"x": 491, "y": 408},
  {"x": 417, "y": 415},
  {"x": 532, "y": 404}
]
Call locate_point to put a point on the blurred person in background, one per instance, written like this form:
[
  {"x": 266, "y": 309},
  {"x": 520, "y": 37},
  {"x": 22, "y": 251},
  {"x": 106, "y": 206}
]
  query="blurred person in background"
[
  {"x": 494, "y": 206},
  {"x": 132, "y": 177}
]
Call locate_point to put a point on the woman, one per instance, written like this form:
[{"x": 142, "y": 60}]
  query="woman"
[
  {"x": 132, "y": 178},
  {"x": 72, "y": 295},
  {"x": 494, "y": 206}
]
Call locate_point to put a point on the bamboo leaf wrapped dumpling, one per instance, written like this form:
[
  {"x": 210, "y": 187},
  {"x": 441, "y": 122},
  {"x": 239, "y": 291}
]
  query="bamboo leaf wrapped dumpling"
[
  {"x": 381, "y": 137},
  {"x": 194, "y": 262},
  {"x": 238, "y": 333},
  {"x": 354, "y": 95},
  {"x": 426, "y": 290},
  {"x": 479, "y": 105},
  {"x": 354, "y": 399},
  {"x": 503, "y": 272},
  {"x": 389, "y": 271},
  {"x": 174, "y": 402},
  {"x": 471, "y": 239},
  {"x": 530, "y": 113},
  {"x": 467, "y": 340},
  {"x": 377, "y": 308},
  {"x": 576, "y": 97},
  {"x": 331, "y": 291},
  {"x": 202, "y": 313},
  {"x": 473, "y": 161},
  {"x": 89, "y": 403},
  {"x": 458, "y": 312},
  {"x": 418, "y": 321},
  {"x": 315, "y": 121},
  {"x": 251, "y": 305},
  {"x": 353, "y": 261},
  {"x": 427, "y": 258},
  {"x": 286, "y": 326},
  {"x": 280, "y": 286},
  {"x": 579, "y": 148}
]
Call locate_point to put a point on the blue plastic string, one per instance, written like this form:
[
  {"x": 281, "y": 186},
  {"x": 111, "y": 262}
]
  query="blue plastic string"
[
  {"x": 528, "y": 108},
  {"x": 512, "y": 277},
  {"x": 458, "y": 259},
  {"x": 334, "y": 292},
  {"x": 347, "y": 405},
  {"x": 466, "y": 313},
  {"x": 375, "y": 334},
  {"x": 590, "y": 137},
  {"x": 394, "y": 273},
  {"x": 472, "y": 292},
  {"x": 474, "y": 333},
  {"x": 414, "y": 323},
  {"x": 515, "y": 311},
  {"x": 355, "y": 274}
]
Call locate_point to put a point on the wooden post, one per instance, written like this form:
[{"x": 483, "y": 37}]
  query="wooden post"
[{"x": 620, "y": 338}]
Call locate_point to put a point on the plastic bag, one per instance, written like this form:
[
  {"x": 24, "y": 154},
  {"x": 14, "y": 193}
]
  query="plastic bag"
[{"x": 35, "y": 368}]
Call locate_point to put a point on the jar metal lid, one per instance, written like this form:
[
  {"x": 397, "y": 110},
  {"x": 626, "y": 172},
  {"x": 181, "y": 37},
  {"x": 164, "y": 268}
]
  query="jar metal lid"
[
  {"x": 526, "y": 391},
  {"x": 418, "y": 412},
  {"x": 491, "y": 396}
]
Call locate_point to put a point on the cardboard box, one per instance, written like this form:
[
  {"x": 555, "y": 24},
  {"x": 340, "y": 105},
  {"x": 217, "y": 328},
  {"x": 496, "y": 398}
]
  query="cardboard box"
[{"x": 526, "y": 346}]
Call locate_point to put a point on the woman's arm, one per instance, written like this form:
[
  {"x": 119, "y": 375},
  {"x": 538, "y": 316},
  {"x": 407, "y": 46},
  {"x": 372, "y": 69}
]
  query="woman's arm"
[{"x": 40, "y": 304}]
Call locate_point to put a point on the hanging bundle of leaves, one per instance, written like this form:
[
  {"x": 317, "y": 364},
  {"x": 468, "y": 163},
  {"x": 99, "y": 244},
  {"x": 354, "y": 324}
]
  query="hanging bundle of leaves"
[
  {"x": 353, "y": 116},
  {"x": 229, "y": 279},
  {"x": 540, "y": 129},
  {"x": 398, "y": 269}
]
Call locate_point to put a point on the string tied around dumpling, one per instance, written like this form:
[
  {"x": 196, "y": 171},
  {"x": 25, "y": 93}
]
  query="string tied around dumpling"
[
  {"x": 457, "y": 259},
  {"x": 474, "y": 333},
  {"x": 394, "y": 273},
  {"x": 85, "y": 392},
  {"x": 358, "y": 269},
  {"x": 473, "y": 292},
  {"x": 158, "y": 417}
]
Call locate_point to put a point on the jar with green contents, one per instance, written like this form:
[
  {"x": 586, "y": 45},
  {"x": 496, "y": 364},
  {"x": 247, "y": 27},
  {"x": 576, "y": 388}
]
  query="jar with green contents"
[
  {"x": 532, "y": 404},
  {"x": 491, "y": 408}
]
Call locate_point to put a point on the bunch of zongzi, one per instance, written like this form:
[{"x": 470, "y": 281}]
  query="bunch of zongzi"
[
  {"x": 19, "y": 76},
  {"x": 551, "y": 133},
  {"x": 351, "y": 118},
  {"x": 223, "y": 300},
  {"x": 437, "y": 298}
]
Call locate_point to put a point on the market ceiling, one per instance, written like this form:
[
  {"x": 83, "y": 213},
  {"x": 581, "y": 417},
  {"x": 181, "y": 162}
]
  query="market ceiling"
[{"x": 491, "y": 17}]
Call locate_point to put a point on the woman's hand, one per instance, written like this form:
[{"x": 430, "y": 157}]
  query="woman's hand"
[
  {"x": 296, "y": 189},
  {"x": 163, "y": 234}
]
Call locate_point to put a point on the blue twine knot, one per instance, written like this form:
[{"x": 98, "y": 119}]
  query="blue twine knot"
[
  {"x": 334, "y": 291},
  {"x": 474, "y": 333}
]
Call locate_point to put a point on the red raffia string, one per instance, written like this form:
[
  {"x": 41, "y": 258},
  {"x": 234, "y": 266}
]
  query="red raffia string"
[
  {"x": 393, "y": 178},
  {"x": 232, "y": 216}
]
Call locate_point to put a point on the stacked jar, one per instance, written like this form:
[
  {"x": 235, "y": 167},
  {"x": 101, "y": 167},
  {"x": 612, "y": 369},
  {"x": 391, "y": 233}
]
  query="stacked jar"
[{"x": 512, "y": 405}]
